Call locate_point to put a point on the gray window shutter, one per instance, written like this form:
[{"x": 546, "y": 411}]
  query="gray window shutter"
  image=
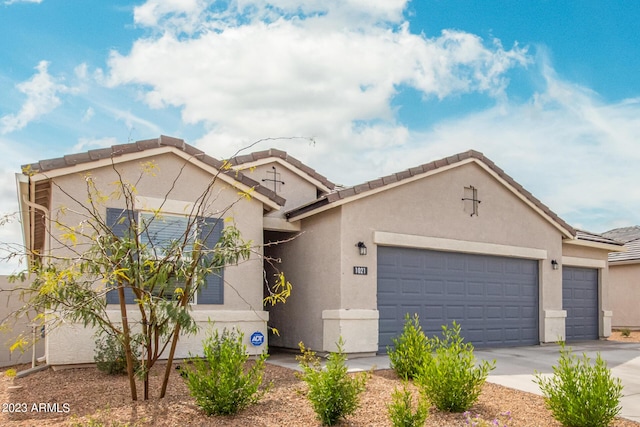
[
  {"x": 212, "y": 291},
  {"x": 120, "y": 229}
]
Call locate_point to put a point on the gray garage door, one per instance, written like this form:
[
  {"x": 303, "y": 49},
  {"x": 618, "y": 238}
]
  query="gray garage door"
[
  {"x": 580, "y": 300},
  {"x": 495, "y": 299}
]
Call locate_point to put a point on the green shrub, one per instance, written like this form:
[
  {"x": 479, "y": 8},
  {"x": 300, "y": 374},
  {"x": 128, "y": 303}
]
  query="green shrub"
[
  {"x": 579, "y": 393},
  {"x": 332, "y": 392},
  {"x": 110, "y": 356},
  {"x": 625, "y": 332},
  {"x": 409, "y": 349},
  {"x": 401, "y": 412},
  {"x": 218, "y": 381},
  {"x": 450, "y": 378}
]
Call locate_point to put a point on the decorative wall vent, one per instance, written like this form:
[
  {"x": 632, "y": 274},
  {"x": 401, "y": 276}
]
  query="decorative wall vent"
[{"x": 470, "y": 200}]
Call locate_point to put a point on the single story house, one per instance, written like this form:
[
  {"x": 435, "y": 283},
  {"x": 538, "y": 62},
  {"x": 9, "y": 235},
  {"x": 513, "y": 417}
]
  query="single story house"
[
  {"x": 453, "y": 239},
  {"x": 624, "y": 278}
]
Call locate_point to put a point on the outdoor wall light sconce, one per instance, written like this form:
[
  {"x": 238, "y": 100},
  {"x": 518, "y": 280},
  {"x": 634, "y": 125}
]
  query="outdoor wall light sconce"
[
  {"x": 554, "y": 264},
  {"x": 362, "y": 248}
]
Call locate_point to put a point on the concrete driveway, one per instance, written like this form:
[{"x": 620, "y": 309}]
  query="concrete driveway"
[{"x": 515, "y": 367}]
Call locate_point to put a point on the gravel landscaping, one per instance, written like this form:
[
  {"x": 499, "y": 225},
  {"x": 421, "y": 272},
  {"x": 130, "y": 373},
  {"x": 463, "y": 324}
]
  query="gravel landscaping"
[{"x": 86, "y": 396}]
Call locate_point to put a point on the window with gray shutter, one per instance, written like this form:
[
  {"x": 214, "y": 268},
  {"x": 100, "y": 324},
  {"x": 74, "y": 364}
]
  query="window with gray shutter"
[{"x": 161, "y": 231}]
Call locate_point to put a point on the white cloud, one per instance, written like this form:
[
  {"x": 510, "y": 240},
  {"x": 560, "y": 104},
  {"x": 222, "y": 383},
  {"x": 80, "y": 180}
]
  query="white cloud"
[
  {"x": 330, "y": 69},
  {"x": 9, "y": 2},
  {"x": 250, "y": 75},
  {"x": 88, "y": 114},
  {"x": 85, "y": 144},
  {"x": 42, "y": 92}
]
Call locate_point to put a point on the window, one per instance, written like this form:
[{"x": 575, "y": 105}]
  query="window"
[{"x": 161, "y": 231}]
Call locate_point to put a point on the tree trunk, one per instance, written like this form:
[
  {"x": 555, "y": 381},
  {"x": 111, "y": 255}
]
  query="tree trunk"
[
  {"x": 127, "y": 343},
  {"x": 174, "y": 342}
]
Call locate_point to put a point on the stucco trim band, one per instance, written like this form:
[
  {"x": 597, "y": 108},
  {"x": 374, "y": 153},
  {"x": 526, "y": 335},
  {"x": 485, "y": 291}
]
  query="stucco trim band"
[
  {"x": 384, "y": 238},
  {"x": 583, "y": 262}
]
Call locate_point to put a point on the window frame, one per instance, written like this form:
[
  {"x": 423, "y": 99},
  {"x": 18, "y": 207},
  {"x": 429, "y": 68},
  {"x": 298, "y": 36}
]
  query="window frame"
[{"x": 212, "y": 234}]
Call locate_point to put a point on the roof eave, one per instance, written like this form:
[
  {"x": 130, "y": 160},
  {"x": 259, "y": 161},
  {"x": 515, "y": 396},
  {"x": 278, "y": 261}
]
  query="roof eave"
[
  {"x": 272, "y": 203},
  {"x": 597, "y": 245}
]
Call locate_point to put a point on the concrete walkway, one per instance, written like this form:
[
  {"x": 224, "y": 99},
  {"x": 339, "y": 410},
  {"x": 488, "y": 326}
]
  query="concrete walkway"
[{"x": 516, "y": 366}]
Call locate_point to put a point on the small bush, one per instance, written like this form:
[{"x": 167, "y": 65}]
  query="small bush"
[
  {"x": 218, "y": 381},
  {"x": 579, "y": 393},
  {"x": 409, "y": 349},
  {"x": 332, "y": 392},
  {"x": 110, "y": 356},
  {"x": 10, "y": 373},
  {"x": 625, "y": 332},
  {"x": 450, "y": 378},
  {"x": 401, "y": 412}
]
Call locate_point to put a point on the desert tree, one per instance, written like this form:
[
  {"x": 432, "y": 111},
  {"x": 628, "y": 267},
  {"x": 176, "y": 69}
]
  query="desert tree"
[{"x": 151, "y": 269}]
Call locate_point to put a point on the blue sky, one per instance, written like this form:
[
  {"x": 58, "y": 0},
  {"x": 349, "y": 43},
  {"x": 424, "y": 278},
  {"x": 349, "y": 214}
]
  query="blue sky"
[{"x": 549, "y": 90}]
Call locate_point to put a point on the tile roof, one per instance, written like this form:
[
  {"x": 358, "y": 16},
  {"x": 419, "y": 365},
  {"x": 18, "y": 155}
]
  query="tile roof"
[
  {"x": 624, "y": 234},
  {"x": 424, "y": 168},
  {"x": 597, "y": 238},
  {"x": 47, "y": 165},
  {"x": 630, "y": 236},
  {"x": 632, "y": 253},
  {"x": 283, "y": 155}
]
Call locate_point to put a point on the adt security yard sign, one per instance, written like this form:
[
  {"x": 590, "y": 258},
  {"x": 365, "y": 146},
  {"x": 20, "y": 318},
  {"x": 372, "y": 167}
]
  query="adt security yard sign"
[{"x": 257, "y": 339}]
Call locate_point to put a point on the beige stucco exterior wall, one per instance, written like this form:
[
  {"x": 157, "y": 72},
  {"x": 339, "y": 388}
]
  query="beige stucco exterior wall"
[
  {"x": 312, "y": 263},
  {"x": 430, "y": 207},
  {"x": 296, "y": 190},
  {"x": 624, "y": 294},
  {"x": 434, "y": 207},
  {"x": 243, "y": 283},
  {"x": 577, "y": 255},
  {"x": 13, "y": 328}
]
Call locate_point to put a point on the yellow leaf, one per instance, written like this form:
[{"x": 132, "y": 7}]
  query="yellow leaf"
[
  {"x": 20, "y": 344},
  {"x": 246, "y": 194},
  {"x": 121, "y": 274}
]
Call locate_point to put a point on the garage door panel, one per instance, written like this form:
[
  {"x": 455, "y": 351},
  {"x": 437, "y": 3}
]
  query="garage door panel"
[
  {"x": 413, "y": 287},
  {"x": 580, "y": 300},
  {"x": 494, "y": 289},
  {"x": 455, "y": 288},
  {"x": 485, "y": 294}
]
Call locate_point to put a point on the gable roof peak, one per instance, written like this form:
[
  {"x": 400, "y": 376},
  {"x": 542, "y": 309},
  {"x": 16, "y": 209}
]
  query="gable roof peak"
[
  {"x": 119, "y": 150},
  {"x": 275, "y": 153},
  {"x": 344, "y": 195}
]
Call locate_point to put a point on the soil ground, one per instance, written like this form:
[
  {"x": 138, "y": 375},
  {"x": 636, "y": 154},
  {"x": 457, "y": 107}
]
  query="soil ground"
[{"x": 87, "y": 396}]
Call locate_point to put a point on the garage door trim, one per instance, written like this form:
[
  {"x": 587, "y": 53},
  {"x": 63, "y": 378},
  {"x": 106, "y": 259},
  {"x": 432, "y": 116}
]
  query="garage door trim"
[{"x": 384, "y": 238}]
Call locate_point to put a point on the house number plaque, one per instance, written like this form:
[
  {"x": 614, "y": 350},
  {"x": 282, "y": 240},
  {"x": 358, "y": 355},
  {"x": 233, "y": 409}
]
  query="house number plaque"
[{"x": 362, "y": 271}]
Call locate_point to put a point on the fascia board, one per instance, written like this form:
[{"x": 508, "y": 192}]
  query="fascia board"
[
  {"x": 128, "y": 157},
  {"x": 596, "y": 245}
]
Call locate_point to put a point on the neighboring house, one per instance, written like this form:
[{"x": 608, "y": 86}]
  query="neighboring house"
[
  {"x": 624, "y": 278},
  {"x": 455, "y": 239},
  {"x": 13, "y": 329}
]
